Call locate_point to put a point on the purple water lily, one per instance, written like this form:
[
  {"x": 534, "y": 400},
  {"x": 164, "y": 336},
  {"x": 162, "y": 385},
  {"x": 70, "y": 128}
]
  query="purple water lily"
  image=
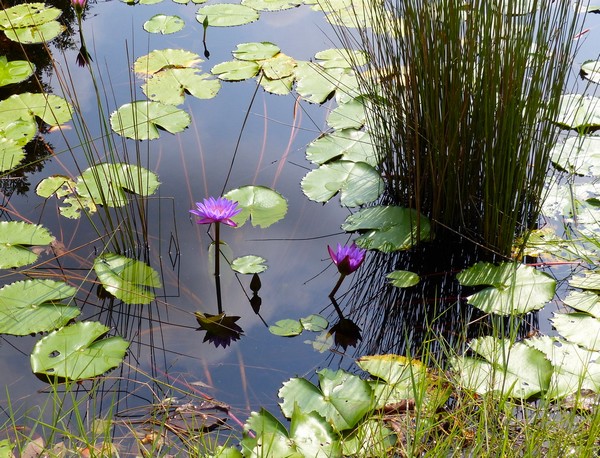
[
  {"x": 219, "y": 210},
  {"x": 347, "y": 258}
]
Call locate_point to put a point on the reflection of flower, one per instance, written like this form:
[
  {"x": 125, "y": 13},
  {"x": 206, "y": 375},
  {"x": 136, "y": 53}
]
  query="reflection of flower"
[
  {"x": 83, "y": 57},
  {"x": 347, "y": 258},
  {"x": 219, "y": 210},
  {"x": 220, "y": 329},
  {"x": 345, "y": 333}
]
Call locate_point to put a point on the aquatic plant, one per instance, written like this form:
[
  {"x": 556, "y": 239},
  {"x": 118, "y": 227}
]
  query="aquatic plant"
[
  {"x": 347, "y": 258},
  {"x": 216, "y": 211}
]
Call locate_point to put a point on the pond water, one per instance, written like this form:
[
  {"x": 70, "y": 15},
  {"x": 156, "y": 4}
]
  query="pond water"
[{"x": 192, "y": 165}]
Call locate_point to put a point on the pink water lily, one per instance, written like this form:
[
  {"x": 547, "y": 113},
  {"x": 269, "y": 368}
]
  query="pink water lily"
[
  {"x": 347, "y": 258},
  {"x": 79, "y": 5},
  {"x": 219, "y": 210}
]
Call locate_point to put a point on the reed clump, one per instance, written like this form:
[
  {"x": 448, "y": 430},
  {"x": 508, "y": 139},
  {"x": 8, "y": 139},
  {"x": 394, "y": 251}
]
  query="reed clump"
[{"x": 463, "y": 94}]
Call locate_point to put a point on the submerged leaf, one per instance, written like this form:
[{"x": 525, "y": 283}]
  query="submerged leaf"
[
  {"x": 32, "y": 306},
  {"x": 127, "y": 279},
  {"x": 78, "y": 352}
]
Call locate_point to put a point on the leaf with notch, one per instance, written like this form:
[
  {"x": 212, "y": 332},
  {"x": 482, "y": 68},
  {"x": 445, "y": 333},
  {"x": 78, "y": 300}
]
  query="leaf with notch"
[{"x": 15, "y": 237}]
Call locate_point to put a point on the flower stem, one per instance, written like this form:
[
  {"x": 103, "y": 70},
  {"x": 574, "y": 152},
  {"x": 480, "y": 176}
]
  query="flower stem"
[
  {"x": 337, "y": 286},
  {"x": 217, "y": 266}
]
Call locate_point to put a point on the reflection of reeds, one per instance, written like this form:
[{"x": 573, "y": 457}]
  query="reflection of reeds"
[{"x": 463, "y": 94}]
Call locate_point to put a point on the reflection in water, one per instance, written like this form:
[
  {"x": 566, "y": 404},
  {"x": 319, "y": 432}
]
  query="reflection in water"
[{"x": 220, "y": 329}]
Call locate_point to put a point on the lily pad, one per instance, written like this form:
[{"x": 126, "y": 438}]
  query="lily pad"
[
  {"x": 127, "y": 279},
  {"x": 347, "y": 144},
  {"x": 388, "y": 228},
  {"x": 280, "y": 86},
  {"x": 11, "y": 154},
  {"x": 14, "y": 71},
  {"x": 170, "y": 85},
  {"x": 164, "y": 24},
  {"x": 249, "y": 264},
  {"x": 315, "y": 323},
  {"x": 19, "y": 131},
  {"x": 349, "y": 115},
  {"x": 263, "y": 205},
  {"x": 317, "y": 84},
  {"x": 579, "y": 112},
  {"x": 78, "y": 352},
  {"x": 31, "y": 306},
  {"x": 272, "y": 5},
  {"x": 109, "y": 183},
  {"x": 64, "y": 187},
  {"x": 160, "y": 59},
  {"x": 579, "y": 155},
  {"x": 579, "y": 328},
  {"x": 278, "y": 67},
  {"x": 356, "y": 182},
  {"x": 256, "y": 51},
  {"x": 142, "y": 120},
  {"x": 286, "y": 328},
  {"x": 27, "y": 15},
  {"x": 37, "y": 34},
  {"x": 26, "y": 107},
  {"x": 590, "y": 70},
  {"x": 342, "y": 58},
  {"x": 226, "y": 14},
  {"x": 236, "y": 70},
  {"x": 403, "y": 278},
  {"x": 15, "y": 237},
  {"x": 513, "y": 288}
]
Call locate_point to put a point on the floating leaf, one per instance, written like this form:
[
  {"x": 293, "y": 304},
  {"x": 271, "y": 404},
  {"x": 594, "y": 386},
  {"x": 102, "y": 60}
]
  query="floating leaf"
[
  {"x": 236, "y": 70},
  {"x": 18, "y": 131},
  {"x": 249, "y": 264},
  {"x": 286, "y": 328},
  {"x": 14, "y": 71},
  {"x": 170, "y": 85},
  {"x": 15, "y": 237},
  {"x": 38, "y": 34},
  {"x": 342, "y": 399},
  {"x": 62, "y": 186},
  {"x": 27, "y": 15},
  {"x": 280, "y": 86},
  {"x": 263, "y": 205},
  {"x": 160, "y": 59},
  {"x": 11, "y": 154},
  {"x": 579, "y": 155},
  {"x": 127, "y": 279},
  {"x": 51, "y": 109},
  {"x": 584, "y": 301},
  {"x": 349, "y": 115},
  {"x": 357, "y": 182},
  {"x": 256, "y": 51},
  {"x": 342, "y": 58},
  {"x": 164, "y": 24},
  {"x": 226, "y": 14},
  {"x": 317, "y": 84},
  {"x": 590, "y": 70},
  {"x": 315, "y": 323},
  {"x": 589, "y": 280},
  {"x": 579, "y": 328},
  {"x": 141, "y": 120},
  {"x": 347, "y": 144},
  {"x": 388, "y": 228},
  {"x": 579, "y": 112},
  {"x": 109, "y": 183},
  {"x": 78, "y": 352},
  {"x": 514, "y": 288},
  {"x": 278, "y": 67},
  {"x": 272, "y": 5},
  {"x": 515, "y": 370},
  {"x": 31, "y": 306},
  {"x": 403, "y": 278}
]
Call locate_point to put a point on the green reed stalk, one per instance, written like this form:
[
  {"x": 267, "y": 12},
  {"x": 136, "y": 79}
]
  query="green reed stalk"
[{"x": 462, "y": 95}]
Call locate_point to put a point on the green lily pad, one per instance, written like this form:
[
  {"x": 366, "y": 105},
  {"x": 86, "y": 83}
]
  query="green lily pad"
[
  {"x": 14, "y": 71},
  {"x": 342, "y": 398},
  {"x": 26, "y": 107},
  {"x": 584, "y": 301},
  {"x": 403, "y": 278},
  {"x": 263, "y": 205},
  {"x": 58, "y": 185},
  {"x": 256, "y": 51},
  {"x": 286, "y": 328},
  {"x": 160, "y": 59},
  {"x": 15, "y": 237},
  {"x": 142, "y": 120},
  {"x": 19, "y": 131},
  {"x": 317, "y": 84},
  {"x": 342, "y": 58},
  {"x": 127, "y": 279},
  {"x": 514, "y": 370},
  {"x": 249, "y": 264},
  {"x": 356, "y": 182},
  {"x": 349, "y": 115},
  {"x": 27, "y": 15},
  {"x": 590, "y": 70},
  {"x": 579, "y": 155},
  {"x": 578, "y": 112},
  {"x": 11, "y": 154},
  {"x": 315, "y": 323},
  {"x": 347, "y": 144},
  {"x": 388, "y": 228},
  {"x": 226, "y": 14},
  {"x": 170, "y": 85},
  {"x": 108, "y": 183},
  {"x": 236, "y": 70},
  {"x": 37, "y": 34},
  {"x": 514, "y": 288},
  {"x": 579, "y": 328},
  {"x": 164, "y": 24},
  {"x": 589, "y": 280},
  {"x": 78, "y": 352},
  {"x": 278, "y": 67},
  {"x": 272, "y": 5},
  {"x": 280, "y": 86},
  {"x": 31, "y": 306},
  {"x": 64, "y": 187}
]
